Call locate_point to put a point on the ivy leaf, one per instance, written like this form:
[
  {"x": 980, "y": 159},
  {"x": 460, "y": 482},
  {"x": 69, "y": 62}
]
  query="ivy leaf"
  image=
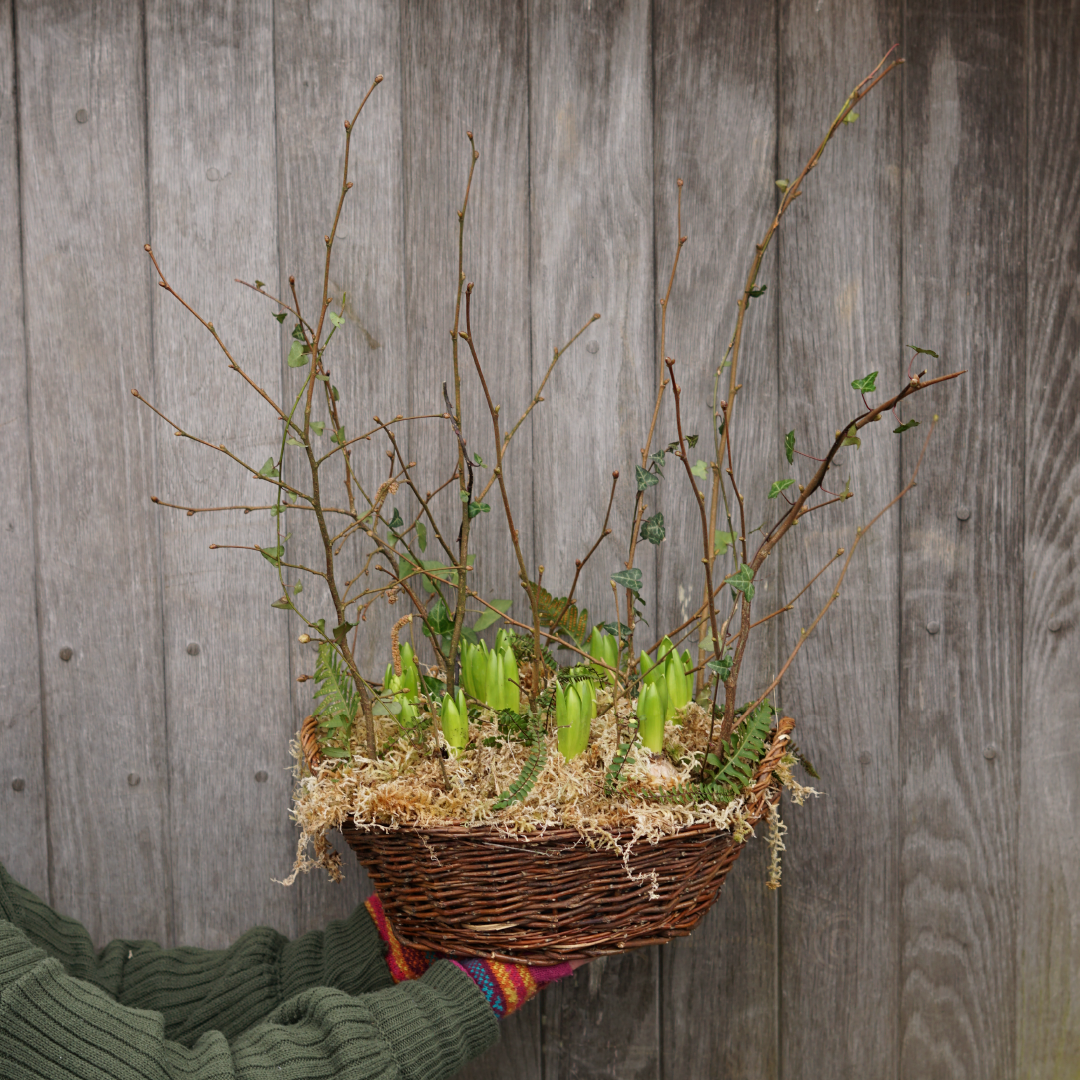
[
  {"x": 722, "y": 541},
  {"x": 479, "y": 460},
  {"x": 298, "y": 332},
  {"x": 906, "y": 426},
  {"x": 260, "y": 284},
  {"x": 277, "y": 510},
  {"x": 341, "y": 632},
  {"x": 652, "y": 529},
  {"x": 273, "y": 554},
  {"x": 489, "y": 617},
  {"x": 317, "y": 426},
  {"x": 298, "y": 588},
  {"x": 645, "y": 479},
  {"x": 395, "y": 521},
  {"x": 783, "y": 185},
  {"x": 628, "y": 579},
  {"x": 478, "y": 508},
  {"x": 851, "y": 117},
  {"x": 866, "y": 384},
  {"x": 700, "y": 470},
  {"x": 846, "y": 493},
  {"x": 337, "y": 320},
  {"x": 334, "y": 393},
  {"x": 778, "y": 486},
  {"x": 759, "y": 291},
  {"x": 437, "y": 620},
  {"x": 852, "y": 437},
  {"x": 691, "y": 441},
  {"x": 285, "y": 604},
  {"x": 926, "y": 352},
  {"x": 280, "y": 316},
  {"x": 293, "y": 442},
  {"x": 296, "y": 355},
  {"x": 421, "y": 535},
  {"x": 338, "y": 436},
  {"x": 268, "y": 469},
  {"x": 789, "y": 447},
  {"x": 721, "y": 667},
  {"x": 742, "y": 581}
]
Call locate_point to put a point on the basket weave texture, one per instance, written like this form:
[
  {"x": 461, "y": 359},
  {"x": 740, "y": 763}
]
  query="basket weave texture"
[{"x": 547, "y": 898}]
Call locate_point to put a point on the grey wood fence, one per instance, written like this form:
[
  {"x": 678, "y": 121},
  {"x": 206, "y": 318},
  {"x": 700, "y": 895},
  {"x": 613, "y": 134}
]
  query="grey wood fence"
[{"x": 927, "y": 924}]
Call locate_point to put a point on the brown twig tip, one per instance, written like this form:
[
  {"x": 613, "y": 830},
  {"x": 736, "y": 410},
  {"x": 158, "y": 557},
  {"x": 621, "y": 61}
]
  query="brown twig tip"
[
  {"x": 378, "y": 79},
  {"x": 596, "y": 315},
  {"x": 468, "y": 135},
  {"x": 134, "y": 392},
  {"x": 154, "y": 499},
  {"x": 679, "y": 183},
  {"x": 148, "y": 249},
  {"x": 614, "y": 474}
]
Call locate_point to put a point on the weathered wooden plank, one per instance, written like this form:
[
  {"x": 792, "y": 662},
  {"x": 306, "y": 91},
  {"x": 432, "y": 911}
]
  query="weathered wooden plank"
[
  {"x": 715, "y": 128},
  {"x": 840, "y": 320},
  {"x": 23, "y": 806},
  {"x": 961, "y": 595},
  {"x": 326, "y": 58},
  {"x": 83, "y": 169},
  {"x": 466, "y": 69},
  {"x": 592, "y": 251},
  {"x": 227, "y": 685},
  {"x": 1048, "y": 956}
]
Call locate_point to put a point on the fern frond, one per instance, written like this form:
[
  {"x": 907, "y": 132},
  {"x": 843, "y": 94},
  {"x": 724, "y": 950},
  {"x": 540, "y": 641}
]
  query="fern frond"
[
  {"x": 519, "y": 790},
  {"x": 570, "y": 622},
  {"x": 337, "y": 702},
  {"x": 622, "y": 757},
  {"x": 742, "y": 752}
]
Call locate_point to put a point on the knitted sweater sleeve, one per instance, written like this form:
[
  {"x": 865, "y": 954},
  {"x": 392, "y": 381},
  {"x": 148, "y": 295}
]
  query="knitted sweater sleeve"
[{"x": 323, "y": 1005}]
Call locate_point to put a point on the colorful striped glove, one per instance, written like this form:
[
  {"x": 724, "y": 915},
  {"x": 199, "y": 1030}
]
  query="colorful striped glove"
[{"x": 506, "y": 986}]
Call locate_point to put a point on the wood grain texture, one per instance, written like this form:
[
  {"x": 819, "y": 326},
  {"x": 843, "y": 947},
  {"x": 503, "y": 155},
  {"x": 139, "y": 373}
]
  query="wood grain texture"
[
  {"x": 1048, "y": 957},
  {"x": 839, "y": 252},
  {"x": 715, "y": 128},
  {"x": 23, "y": 806},
  {"x": 963, "y": 276},
  {"x": 592, "y": 250},
  {"x": 212, "y": 200},
  {"x": 88, "y": 335},
  {"x": 466, "y": 69},
  {"x": 326, "y": 58}
]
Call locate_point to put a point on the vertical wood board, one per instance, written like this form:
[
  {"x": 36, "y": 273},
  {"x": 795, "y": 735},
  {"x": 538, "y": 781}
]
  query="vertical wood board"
[
  {"x": 961, "y": 593},
  {"x": 23, "y": 805},
  {"x": 592, "y": 251},
  {"x": 839, "y": 297},
  {"x": 715, "y": 128},
  {"x": 212, "y": 196},
  {"x": 88, "y": 333},
  {"x": 326, "y": 59},
  {"x": 1048, "y": 951}
]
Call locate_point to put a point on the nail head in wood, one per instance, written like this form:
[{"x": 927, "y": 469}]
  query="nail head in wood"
[
  {"x": 933, "y": 627},
  {"x": 990, "y": 752},
  {"x": 262, "y": 776},
  {"x": 593, "y": 347},
  {"x": 18, "y": 784},
  {"x": 963, "y": 512},
  {"x": 133, "y": 779},
  {"x": 193, "y": 648},
  {"x": 864, "y": 757},
  {"x": 66, "y": 653},
  {"x": 81, "y": 116},
  {"x": 1053, "y": 625}
]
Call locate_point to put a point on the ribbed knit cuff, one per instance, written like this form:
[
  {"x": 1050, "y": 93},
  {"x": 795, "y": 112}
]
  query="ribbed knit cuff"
[{"x": 436, "y": 1023}]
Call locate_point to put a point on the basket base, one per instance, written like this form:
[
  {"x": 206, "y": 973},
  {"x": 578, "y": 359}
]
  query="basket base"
[{"x": 542, "y": 899}]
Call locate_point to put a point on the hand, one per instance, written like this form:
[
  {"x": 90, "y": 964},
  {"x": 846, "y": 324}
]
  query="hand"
[{"x": 506, "y": 986}]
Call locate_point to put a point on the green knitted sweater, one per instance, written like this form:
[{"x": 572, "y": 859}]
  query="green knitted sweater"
[{"x": 321, "y": 1006}]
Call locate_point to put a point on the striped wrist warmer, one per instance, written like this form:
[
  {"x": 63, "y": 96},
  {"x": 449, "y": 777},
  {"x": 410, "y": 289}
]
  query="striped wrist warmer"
[{"x": 506, "y": 986}]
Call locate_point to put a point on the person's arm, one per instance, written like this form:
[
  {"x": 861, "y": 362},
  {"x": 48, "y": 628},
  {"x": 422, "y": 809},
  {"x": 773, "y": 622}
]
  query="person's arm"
[
  {"x": 54, "y": 1026},
  {"x": 199, "y": 990}
]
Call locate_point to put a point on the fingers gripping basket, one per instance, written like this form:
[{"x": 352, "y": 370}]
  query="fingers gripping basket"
[{"x": 549, "y": 897}]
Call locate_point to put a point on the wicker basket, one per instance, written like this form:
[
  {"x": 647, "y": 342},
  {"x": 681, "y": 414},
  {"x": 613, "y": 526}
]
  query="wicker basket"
[{"x": 547, "y": 898}]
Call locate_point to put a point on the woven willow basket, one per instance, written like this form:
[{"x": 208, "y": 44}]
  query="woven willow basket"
[{"x": 548, "y": 898}]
